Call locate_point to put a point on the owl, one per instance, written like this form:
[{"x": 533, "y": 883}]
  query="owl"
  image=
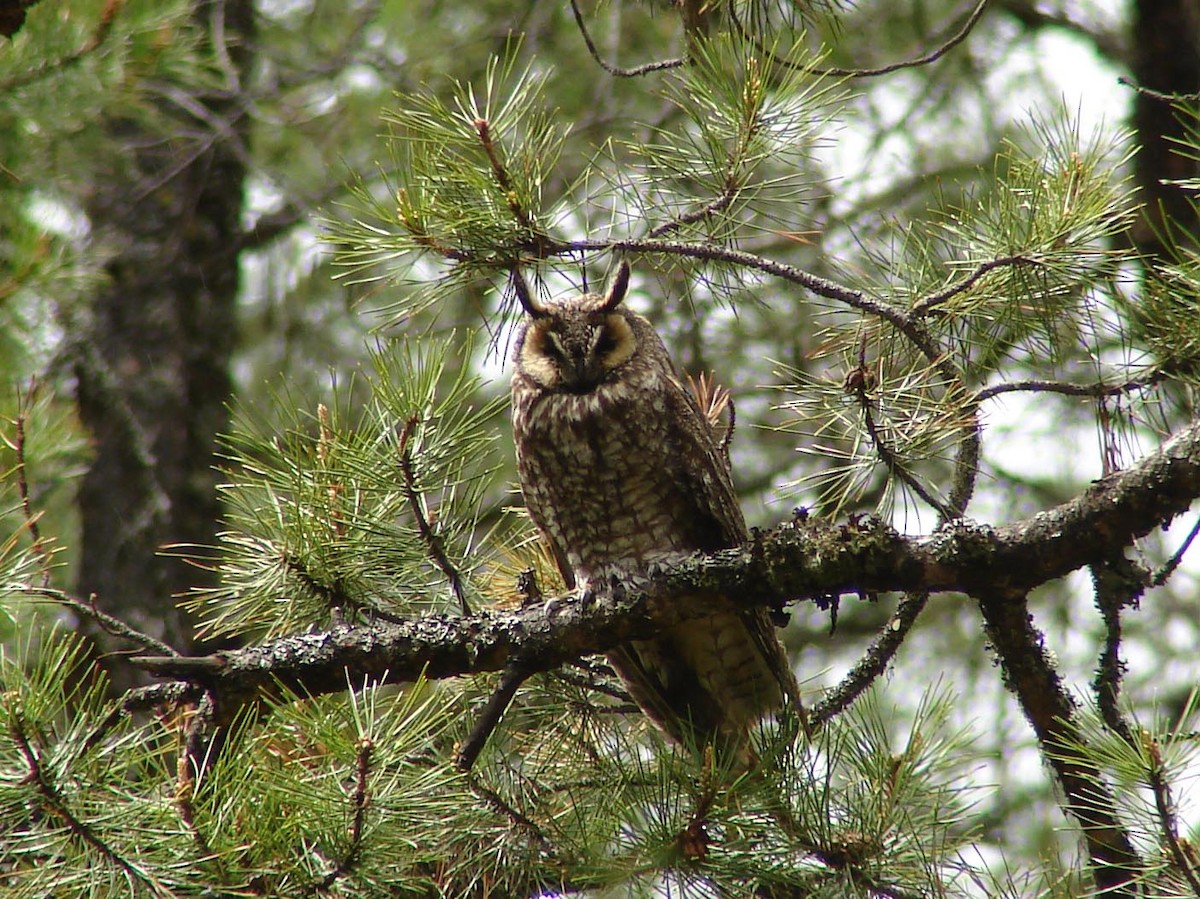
[{"x": 621, "y": 469}]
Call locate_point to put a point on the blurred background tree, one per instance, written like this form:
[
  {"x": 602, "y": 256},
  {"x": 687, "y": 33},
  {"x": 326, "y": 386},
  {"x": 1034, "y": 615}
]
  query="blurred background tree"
[{"x": 169, "y": 171}]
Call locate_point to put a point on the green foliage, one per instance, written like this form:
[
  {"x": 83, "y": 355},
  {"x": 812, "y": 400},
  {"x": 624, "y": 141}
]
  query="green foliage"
[
  {"x": 340, "y": 510},
  {"x": 86, "y": 794},
  {"x": 470, "y": 173},
  {"x": 1025, "y": 279},
  {"x": 864, "y": 795},
  {"x": 355, "y": 790},
  {"x": 736, "y": 155},
  {"x": 79, "y": 792},
  {"x": 1165, "y": 319},
  {"x": 1153, "y": 766}
]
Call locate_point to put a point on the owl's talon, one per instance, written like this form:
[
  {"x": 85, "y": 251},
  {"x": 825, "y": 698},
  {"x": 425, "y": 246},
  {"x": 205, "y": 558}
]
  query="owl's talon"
[{"x": 528, "y": 587}]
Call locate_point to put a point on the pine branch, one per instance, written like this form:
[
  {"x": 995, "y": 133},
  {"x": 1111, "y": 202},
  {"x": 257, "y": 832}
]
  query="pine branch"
[
  {"x": 1159, "y": 95},
  {"x": 432, "y": 540},
  {"x": 54, "y": 803},
  {"x": 514, "y": 676},
  {"x": 88, "y": 609},
  {"x": 18, "y": 445},
  {"x": 835, "y": 72},
  {"x": 1163, "y": 574},
  {"x": 1065, "y": 388},
  {"x": 873, "y": 663},
  {"x": 930, "y": 303},
  {"x": 1117, "y": 584},
  {"x": 360, "y": 799},
  {"x": 797, "y": 559},
  {"x": 895, "y": 465},
  {"x": 617, "y": 71},
  {"x": 1120, "y": 584},
  {"x": 1030, "y": 673},
  {"x": 1168, "y": 820}
]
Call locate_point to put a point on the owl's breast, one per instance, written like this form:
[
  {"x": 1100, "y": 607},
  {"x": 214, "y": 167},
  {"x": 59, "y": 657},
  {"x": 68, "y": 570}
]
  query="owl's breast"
[{"x": 600, "y": 475}]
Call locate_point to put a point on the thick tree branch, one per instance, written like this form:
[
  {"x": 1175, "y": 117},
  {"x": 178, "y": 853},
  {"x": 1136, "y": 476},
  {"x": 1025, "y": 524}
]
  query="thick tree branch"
[
  {"x": 796, "y": 560},
  {"x": 1030, "y": 674}
]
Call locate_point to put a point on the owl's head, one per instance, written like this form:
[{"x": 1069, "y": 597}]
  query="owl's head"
[{"x": 574, "y": 345}]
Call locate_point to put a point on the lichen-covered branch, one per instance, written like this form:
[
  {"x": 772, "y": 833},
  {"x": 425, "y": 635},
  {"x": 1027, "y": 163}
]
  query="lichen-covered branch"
[
  {"x": 1030, "y": 674},
  {"x": 799, "y": 559}
]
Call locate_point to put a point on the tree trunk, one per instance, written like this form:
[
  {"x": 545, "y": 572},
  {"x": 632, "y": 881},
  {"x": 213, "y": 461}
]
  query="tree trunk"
[
  {"x": 152, "y": 358},
  {"x": 1166, "y": 59}
]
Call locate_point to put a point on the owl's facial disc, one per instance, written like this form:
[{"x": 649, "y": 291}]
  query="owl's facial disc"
[{"x": 575, "y": 355}]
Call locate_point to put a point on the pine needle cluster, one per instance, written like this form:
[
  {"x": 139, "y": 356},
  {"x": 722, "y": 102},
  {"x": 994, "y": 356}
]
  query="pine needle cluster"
[{"x": 367, "y": 510}]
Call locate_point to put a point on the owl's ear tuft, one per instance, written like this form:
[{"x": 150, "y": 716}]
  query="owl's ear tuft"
[
  {"x": 525, "y": 296},
  {"x": 617, "y": 287}
]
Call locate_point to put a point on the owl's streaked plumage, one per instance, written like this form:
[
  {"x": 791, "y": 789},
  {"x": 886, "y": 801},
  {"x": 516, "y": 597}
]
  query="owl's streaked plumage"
[{"x": 621, "y": 468}]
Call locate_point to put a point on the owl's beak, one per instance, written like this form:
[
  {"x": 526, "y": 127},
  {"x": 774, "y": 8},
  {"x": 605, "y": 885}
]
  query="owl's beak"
[{"x": 582, "y": 374}]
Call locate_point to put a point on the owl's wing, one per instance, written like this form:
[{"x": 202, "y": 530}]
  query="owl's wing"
[
  {"x": 559, "y": 554},
  {"x": 703, "y": 470}
]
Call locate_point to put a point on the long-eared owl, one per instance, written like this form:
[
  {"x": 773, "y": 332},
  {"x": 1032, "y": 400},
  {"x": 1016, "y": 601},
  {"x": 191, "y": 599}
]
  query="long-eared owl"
[{"x": 621, "y": 468}]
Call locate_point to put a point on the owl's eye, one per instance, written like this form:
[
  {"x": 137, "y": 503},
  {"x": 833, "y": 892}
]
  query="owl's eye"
[
  {"x": 553, "y": 347},
  {"x": 606, "y": 342}
]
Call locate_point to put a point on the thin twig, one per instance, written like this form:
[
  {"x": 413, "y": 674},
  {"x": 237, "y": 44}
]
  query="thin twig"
[
  {"x": 497, "y": 802},
  {"x": 1168, "y": 820},
  {"x": 360, "y": 800},
  {"x": 114, "y": 626},
  {"x": 1160, "y": 577},
  {"x": 433, "y": 542},
  {"x": 873, "y": 663},
  {"x": 616, "y": 71},
  {"x": 834, "y": 72},
  {"x": 198, "y": 748},
  {"x": 966, "y": 461},
  {"x": 696, "y": 215},
  {"x": 1158, "y": 95},
  {"x": 514, "y": 675},
  {"x": 140, "y": 699},
  {"x": 420, "y": 235},
  {"x": 185, "y": 791},
  {"x": 483, "y": 129},
  {"x": 893, "y": 462},
  {"x": 823, "y": 287},
  {"x": 1115, "y": 586},
  {"x": 24, "y": 402},
  {"x": 932, "y": 301},
  {"x": 1067, "y": 389},
  {"x": 603, "y": 682},
  {"x": 874, "y": 306}
]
